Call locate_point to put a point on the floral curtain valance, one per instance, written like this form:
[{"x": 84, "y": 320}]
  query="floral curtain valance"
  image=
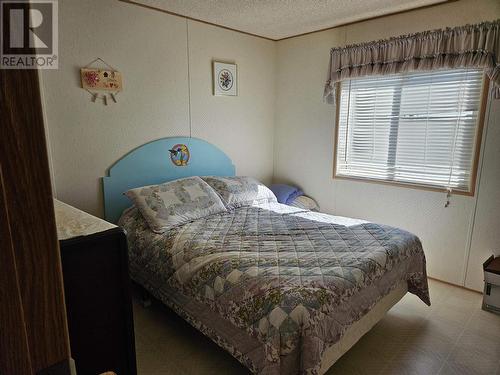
[{"x": 474, "y": 46}]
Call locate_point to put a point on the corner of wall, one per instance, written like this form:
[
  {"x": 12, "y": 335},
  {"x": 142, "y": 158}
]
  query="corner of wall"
[
  {"x": 275, "y": 120},
  {"x": 47, "y": 135}
]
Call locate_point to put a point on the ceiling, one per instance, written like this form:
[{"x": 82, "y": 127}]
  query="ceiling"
[{"x": 278, "y": 19}]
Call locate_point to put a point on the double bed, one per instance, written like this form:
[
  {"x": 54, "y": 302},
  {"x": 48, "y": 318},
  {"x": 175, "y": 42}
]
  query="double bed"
[{"x": 283, "y": 290}]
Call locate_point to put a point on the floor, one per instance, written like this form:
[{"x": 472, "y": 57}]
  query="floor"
[{"x": 453, "y": 336}]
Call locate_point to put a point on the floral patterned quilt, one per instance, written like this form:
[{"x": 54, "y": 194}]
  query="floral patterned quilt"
[{"x": 272, "y": 284}]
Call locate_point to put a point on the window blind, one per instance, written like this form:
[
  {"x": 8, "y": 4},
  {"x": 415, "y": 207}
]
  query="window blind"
[{"x": 417, "y": 128}]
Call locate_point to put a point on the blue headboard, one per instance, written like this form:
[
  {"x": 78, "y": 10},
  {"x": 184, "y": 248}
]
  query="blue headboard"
[{"x": 150, "y": 164}]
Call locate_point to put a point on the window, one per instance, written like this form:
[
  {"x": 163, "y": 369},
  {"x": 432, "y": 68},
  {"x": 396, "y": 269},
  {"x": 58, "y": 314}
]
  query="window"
[{"x": 412, "y": 128}]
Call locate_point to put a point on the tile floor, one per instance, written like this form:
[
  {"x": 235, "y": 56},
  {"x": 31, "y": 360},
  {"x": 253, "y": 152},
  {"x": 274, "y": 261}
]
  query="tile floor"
[{"x": 453, "y": 336}]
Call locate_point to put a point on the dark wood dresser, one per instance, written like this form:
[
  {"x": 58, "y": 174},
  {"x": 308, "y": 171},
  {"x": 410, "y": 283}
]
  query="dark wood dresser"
[{"x": 97, "y": 292}]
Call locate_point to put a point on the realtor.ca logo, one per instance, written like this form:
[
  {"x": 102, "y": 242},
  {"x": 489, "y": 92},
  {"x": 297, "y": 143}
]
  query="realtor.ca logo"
[{"x": 29, "y": 37}]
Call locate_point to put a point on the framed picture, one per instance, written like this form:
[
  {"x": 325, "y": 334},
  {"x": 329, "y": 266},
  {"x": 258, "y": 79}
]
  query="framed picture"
[{"x": 225, "y": 79}]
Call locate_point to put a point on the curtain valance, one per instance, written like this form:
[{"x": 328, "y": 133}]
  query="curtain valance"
[{"x": 475, "y": 46}]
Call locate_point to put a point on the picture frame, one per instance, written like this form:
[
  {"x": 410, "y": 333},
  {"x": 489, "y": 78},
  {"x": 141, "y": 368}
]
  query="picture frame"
[{"x": 225, "y": 79}]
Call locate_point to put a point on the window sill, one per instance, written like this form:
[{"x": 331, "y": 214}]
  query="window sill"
[{"x": 404, "y": 185}]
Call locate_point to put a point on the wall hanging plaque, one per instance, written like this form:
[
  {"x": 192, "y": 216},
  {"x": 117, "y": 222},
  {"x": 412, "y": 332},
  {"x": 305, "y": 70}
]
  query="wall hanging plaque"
[
  {"x": 101, "y": 82},
  {"x": 179, "y": 155},
  {"x": 225, "y": 79}
]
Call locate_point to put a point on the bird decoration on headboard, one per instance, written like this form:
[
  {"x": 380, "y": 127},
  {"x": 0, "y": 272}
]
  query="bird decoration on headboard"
[
  {"x": 179, "y": 155},
  {"x": 174, "y": 152}
]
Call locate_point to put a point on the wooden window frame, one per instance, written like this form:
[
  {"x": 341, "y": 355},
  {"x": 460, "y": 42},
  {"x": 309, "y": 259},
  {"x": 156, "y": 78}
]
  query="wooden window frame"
[{"x": 475, "y": 163}]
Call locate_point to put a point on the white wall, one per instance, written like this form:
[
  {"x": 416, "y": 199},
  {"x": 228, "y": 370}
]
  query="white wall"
[
  {"x": 304, "y": 126},
  {"x": 485, "y": 239},
  {"x": 150, "y": 49}
]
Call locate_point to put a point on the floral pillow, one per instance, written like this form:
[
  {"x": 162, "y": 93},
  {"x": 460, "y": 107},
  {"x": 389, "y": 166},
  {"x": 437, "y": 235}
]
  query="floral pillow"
[
  {"x": 174, "y": 203},
  {"x": 240, "y": 191}
]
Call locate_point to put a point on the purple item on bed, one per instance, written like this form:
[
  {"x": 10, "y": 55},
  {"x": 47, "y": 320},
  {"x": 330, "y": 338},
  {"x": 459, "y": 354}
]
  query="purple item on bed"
[{"x": 286, "y": 193}]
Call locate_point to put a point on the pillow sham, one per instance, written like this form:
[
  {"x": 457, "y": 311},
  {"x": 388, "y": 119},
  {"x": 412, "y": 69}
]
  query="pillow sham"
[
  {"x": 174, "y": 203},
  {"x": 240, "y": 191},
  {"x": 304, "y": 202}
]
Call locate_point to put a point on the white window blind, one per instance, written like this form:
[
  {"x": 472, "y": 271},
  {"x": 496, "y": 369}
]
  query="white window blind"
[{"x": 416, "y": 128}]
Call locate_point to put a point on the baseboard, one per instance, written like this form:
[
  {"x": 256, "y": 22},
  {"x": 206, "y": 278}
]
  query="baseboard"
[{"x": 455, "y": 285}]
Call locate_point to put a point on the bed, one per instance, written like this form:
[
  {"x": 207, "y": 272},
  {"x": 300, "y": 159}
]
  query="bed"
[{"x": 283, "y": 290}]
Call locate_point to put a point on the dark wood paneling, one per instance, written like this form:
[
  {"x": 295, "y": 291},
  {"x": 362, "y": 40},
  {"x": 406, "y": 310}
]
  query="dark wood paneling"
[
  {"x": 15, "y": 360},
  {"x": 29, "y": 205}
]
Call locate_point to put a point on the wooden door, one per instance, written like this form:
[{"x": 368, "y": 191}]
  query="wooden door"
[{"x": 33, "y": 327}]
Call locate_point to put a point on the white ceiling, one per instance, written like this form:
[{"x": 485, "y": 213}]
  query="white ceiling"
[{"x": 277, "y": 19}]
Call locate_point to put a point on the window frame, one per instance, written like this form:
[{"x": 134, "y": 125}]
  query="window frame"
[{"x": 483, "y": 100}]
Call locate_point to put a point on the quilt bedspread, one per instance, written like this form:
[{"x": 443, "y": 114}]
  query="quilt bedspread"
[{"x": 274, "y": 285}]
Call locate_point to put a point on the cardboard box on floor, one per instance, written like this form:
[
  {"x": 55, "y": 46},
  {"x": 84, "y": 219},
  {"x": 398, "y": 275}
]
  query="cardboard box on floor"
[{"x": 491, "y": 296}]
